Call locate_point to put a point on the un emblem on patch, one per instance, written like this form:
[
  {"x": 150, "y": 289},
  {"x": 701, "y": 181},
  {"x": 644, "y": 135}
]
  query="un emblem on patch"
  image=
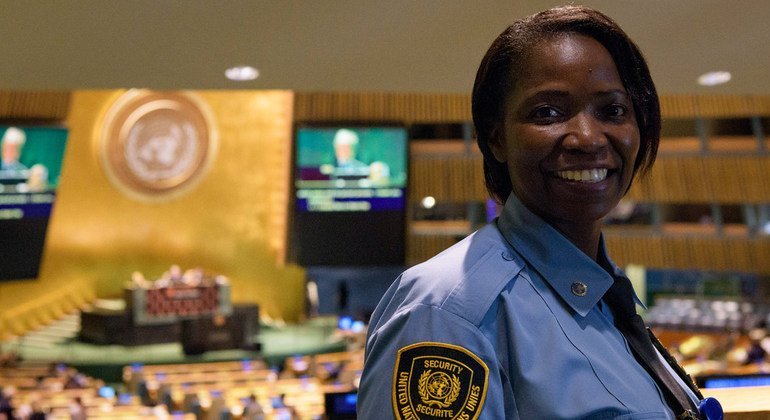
[{"x": 438, "y": 381}]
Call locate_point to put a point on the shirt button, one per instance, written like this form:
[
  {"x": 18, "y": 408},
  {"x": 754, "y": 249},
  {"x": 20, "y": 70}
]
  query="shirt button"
[
  {"x": 507, "y": 256},
  {"x": 579, "y": 288}
]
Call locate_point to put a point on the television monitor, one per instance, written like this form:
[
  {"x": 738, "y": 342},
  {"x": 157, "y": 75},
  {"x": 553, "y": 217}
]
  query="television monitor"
[
  {"x": 349, "y": 194},
  {"x": 340, "y": 405},
  {"x": 29, "y": 177},
  {"x": 733, "y": 381}
]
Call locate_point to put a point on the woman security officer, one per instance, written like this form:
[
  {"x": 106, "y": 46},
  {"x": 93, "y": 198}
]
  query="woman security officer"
[{"x": 529, "y": 317}]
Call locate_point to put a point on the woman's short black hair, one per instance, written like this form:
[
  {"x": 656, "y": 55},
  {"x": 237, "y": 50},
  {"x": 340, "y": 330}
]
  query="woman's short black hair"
[{"x": 502, "y": 65}]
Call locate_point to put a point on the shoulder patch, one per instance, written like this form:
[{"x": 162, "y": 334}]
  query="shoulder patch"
[{"x": 438, "y": 381}]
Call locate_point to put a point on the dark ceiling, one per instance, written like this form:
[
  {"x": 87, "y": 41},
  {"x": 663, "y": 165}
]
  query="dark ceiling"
[{"x": 348, "y": 45}]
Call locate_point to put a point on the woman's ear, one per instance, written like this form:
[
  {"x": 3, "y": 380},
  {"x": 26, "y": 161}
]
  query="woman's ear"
[{"x": 497, "y": 144}]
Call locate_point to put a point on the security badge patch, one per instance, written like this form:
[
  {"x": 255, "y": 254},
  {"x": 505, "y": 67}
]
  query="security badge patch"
[{"x": 438, "y": 381}]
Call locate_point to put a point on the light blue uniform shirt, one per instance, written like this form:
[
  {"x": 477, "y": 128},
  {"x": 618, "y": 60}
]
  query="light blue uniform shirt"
[{"x": 505, "y": 295}]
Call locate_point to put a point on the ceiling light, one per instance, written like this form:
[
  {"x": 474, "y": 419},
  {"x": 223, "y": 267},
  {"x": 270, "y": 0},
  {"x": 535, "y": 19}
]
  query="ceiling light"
[
  {"x": 714, "y": 78},
  {"x": 428, "y": 202},
  {"x": 242, "y": 73}
]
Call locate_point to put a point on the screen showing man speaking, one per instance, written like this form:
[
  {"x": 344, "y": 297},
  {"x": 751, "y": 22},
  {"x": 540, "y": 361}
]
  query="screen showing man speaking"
[
  {"x": 350, "y": 194},
  {"x": 29, "y": 176}
]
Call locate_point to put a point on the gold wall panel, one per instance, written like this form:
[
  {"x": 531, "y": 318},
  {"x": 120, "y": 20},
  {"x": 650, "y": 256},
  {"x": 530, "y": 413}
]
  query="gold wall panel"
[
  {"x": 34, "y": 105},
  {"x": 402, "y": 107},
  {"x": 711, "y": 106},
  {"x": 677, "y": 107},
  {"x": 706, "y": 179},
  {"x": 724, "y": 106},
  {"x": 457, "y": 178},
  {"x": 233, "y": 222},
  {"x": 701, "y": 252}
]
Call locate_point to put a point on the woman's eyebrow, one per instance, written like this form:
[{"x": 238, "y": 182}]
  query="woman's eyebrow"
[
  {"x": 543, "y": 95},
  {"x": 614, "y": 92},
  {"x": 547, "y": 93}
]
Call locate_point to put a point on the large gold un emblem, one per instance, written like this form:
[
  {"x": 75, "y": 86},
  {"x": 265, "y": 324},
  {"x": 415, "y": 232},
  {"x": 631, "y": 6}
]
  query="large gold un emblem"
[{"x": 156, "y": 145}]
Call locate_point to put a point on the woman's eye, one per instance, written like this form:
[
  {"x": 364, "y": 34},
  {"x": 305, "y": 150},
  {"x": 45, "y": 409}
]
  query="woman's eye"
[
  {"x": 545, "y": 113},
  {"x": 615, "y": 110}
]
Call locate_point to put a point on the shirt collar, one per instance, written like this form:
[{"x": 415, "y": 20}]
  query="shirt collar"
[{"x": 575, "y": 277}]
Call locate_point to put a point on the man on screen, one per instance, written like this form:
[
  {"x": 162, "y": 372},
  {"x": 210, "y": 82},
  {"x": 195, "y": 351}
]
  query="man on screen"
[
  {"x": 347, "y": 166},
  {"x": 37, "y": 179},
  {"x": 379, "y": 174},
  {"x": 12, "y": 143}
]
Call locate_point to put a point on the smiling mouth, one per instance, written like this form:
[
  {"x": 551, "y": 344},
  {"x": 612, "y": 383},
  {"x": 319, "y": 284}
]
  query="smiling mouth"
[{"x": 586, "y": 175}]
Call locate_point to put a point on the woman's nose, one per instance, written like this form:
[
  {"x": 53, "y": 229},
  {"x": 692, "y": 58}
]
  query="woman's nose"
[{"x": 585, "y": 133}]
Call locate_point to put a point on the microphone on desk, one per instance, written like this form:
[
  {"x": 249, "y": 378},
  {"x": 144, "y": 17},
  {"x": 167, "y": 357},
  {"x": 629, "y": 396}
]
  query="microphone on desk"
[{"x": 711, "y": 409}]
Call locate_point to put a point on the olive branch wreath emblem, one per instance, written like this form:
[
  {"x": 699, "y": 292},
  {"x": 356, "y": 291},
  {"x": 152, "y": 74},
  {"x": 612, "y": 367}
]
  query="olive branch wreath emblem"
[{"x": 422, "y": 389}]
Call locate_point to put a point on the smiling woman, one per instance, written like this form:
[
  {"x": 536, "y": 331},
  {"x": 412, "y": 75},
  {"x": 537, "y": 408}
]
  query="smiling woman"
[
  {"x": 531, "y": 306},
  {"x": 570, "y": 137}
]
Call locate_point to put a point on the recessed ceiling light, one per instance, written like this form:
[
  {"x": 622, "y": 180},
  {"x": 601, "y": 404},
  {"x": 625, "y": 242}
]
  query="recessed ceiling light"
[
  {"x": 242, "y": 73},
  {"x": 714, "y": 78}
]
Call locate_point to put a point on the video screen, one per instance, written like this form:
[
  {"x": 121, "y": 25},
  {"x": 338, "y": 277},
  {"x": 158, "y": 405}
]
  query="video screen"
[
  {"x": 733, "y": 381},
  {"x": 350, "y": 195},
  {"x": 350, "y": 169},
  {"x": 29, "y": 176},
  {"x": 340, "y": 405}
]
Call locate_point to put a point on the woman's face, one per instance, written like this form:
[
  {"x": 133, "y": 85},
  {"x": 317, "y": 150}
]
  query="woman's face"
[{"x": 569, "y": 135}]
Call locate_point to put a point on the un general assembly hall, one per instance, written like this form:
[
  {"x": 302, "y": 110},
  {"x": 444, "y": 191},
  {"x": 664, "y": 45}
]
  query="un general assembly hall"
[{"x": 384, "y": 210}]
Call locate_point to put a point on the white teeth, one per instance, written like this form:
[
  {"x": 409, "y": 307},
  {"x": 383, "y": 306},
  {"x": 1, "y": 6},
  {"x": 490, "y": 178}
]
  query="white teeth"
[{"x": 586, "y": 175}]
